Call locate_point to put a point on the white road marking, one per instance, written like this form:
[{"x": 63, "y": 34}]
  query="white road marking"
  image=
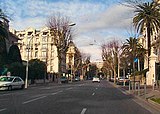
[
  {"x": 96, "y": 88},
  {"x": 56, "y": 92},
  {"x": 3, "y": 109},
  {"x": 33, "y": 100},
  {"x": 93, "y": 94},
  {"x": 83, "y": 111}
]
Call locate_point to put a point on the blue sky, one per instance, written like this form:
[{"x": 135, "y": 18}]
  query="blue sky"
[{"x": 97, "y": 21}]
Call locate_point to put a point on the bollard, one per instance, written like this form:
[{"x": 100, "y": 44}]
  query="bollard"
[
  {"x": 129, "y": 86},
  {"x": 145, "y": 90},
  {"x": 135, "y": 88},
  {"x": 138, "y": 88},
  {"x": 124, "y": 83}
]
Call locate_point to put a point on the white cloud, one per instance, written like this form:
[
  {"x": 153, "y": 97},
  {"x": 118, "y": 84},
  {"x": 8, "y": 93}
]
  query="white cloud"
[{"x": 114, "y": 17}]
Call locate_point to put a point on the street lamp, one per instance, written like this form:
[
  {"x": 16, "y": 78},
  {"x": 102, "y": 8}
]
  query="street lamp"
[{"x": 28, "y": 47}]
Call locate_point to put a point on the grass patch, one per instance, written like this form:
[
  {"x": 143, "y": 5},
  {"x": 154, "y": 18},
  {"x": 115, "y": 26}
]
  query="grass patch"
[{"x": 157, "y": 100}]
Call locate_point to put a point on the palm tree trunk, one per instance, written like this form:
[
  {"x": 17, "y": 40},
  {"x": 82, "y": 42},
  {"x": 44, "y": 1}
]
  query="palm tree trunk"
[
  {"x": 134, "y": 75},
  {"x": 149, "y": 41}
]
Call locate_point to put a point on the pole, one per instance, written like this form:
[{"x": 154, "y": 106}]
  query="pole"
[
  {"x": 118, "y": 66},
  {"x": 145, "y": 89},
  {"x": 134, "y": 73},
  {"x": 26, "y": 80},
  {"x": 71, "y": 72}
]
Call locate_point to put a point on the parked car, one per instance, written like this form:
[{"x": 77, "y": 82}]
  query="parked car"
[
  {"x": 11, "y": 82},
  {"x": 111, "y": 79},
  {"x": 77, "y": 78},
  {"x": 96, "y": 79},
  {"x": 64, "y": 79},
  {"x": 122, "y": 80}
]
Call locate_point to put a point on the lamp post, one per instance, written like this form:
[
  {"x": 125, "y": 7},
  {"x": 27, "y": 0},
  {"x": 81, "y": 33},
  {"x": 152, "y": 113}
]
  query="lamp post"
[
  {"x": 28, "y": 47},
  {"x": 26, "y": 79}
]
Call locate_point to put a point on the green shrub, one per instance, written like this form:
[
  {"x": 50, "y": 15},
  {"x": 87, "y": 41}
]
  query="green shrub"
[{"x": 157, "y": 100}]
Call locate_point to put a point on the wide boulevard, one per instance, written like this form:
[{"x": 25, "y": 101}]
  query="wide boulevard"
[{"x": 82, "y": 97}]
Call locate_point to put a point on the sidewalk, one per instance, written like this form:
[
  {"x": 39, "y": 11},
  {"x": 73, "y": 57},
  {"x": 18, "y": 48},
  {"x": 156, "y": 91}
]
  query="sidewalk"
[{"x": 150, "y": 94}]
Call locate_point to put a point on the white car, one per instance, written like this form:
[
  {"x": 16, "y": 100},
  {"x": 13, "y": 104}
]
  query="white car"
[
  {"x": 11, "y": 82},
  {"x": 96, "y": 79}
]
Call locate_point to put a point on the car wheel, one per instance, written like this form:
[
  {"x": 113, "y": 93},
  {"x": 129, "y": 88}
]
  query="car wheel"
[
  {"x": 10, "y": 88},
  {"x": 22, "y": 86}
]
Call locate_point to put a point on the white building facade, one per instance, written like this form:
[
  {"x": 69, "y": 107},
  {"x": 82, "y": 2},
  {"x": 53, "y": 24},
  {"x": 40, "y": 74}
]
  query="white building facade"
[
  {"x": 38, "y": 44},
  {"x": 153, "y": 75}
]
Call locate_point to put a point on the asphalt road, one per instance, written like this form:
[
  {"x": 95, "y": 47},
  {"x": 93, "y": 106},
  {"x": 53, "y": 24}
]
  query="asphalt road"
[{"x": 76, "y": 98}]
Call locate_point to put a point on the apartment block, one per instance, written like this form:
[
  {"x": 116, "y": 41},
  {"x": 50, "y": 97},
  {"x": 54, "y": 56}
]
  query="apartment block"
[{"x": 38, "y": 44}]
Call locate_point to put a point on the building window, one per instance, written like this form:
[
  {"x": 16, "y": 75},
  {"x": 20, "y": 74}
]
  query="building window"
[
  {"x": 36, "y": 54},
  {"x": 44, "y": 54},
  {"x": 29, "y": 33},
  {"x": 36, "y": 39},
  {"x": 29, "y": 53},
  {"x": 52, "y": 54},
  {"x": 52, "y": 47},
  {"x": 44, "y": 46},
  {"x": 21, "y": 35},
  {"x": 21, "y": 47},
  {"x": 44, "y": 39},
  {"x": 52, "y": 40},
  {"x": 51, "y": 68},
  {"x": 45, "y": 33}
]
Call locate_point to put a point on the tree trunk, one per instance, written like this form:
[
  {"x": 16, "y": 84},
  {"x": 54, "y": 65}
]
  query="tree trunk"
[
  {"x": 149, "y": 41},
  {"x": 115, "y": 75},
  {"x": 134, "y": 74},
  {"x": 59, "y": 67}
]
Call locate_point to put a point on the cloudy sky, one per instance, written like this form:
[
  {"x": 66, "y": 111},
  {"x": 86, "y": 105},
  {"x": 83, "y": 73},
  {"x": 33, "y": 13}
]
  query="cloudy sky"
[{"x": 97, "y": 21}]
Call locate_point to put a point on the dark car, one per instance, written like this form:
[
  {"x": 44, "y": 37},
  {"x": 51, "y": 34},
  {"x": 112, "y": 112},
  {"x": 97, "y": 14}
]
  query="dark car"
[
  {"x": 77, "y": 78},
  {"x": 64, "y": 80},
  {"x": 122, "y": 81}
]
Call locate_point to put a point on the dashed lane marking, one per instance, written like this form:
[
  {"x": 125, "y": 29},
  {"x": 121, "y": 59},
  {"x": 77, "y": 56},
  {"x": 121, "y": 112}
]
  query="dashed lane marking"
[
  {"x": 93, "y": 94},
  {"x": 83, "y": 111},
  {"x": 33, "y": 100},
  {"x": 3, "y": 109},
  {"x": 56, "y": 92}
]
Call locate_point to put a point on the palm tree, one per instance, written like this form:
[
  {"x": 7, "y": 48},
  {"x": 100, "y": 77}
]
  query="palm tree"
[
  {"x": 3, "y": 37},
  {"x": 133, "y": 49},
  {"x": 3, "y": 31},
  {"x": 147, "y": 19}
]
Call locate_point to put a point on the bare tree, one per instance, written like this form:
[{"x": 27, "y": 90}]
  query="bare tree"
[
  {"x": 78, "y": 61},
  {"x": 85, "y": 62},
  {"x": 62, "y": 34},
  {"x": 110, "y": 56}
]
